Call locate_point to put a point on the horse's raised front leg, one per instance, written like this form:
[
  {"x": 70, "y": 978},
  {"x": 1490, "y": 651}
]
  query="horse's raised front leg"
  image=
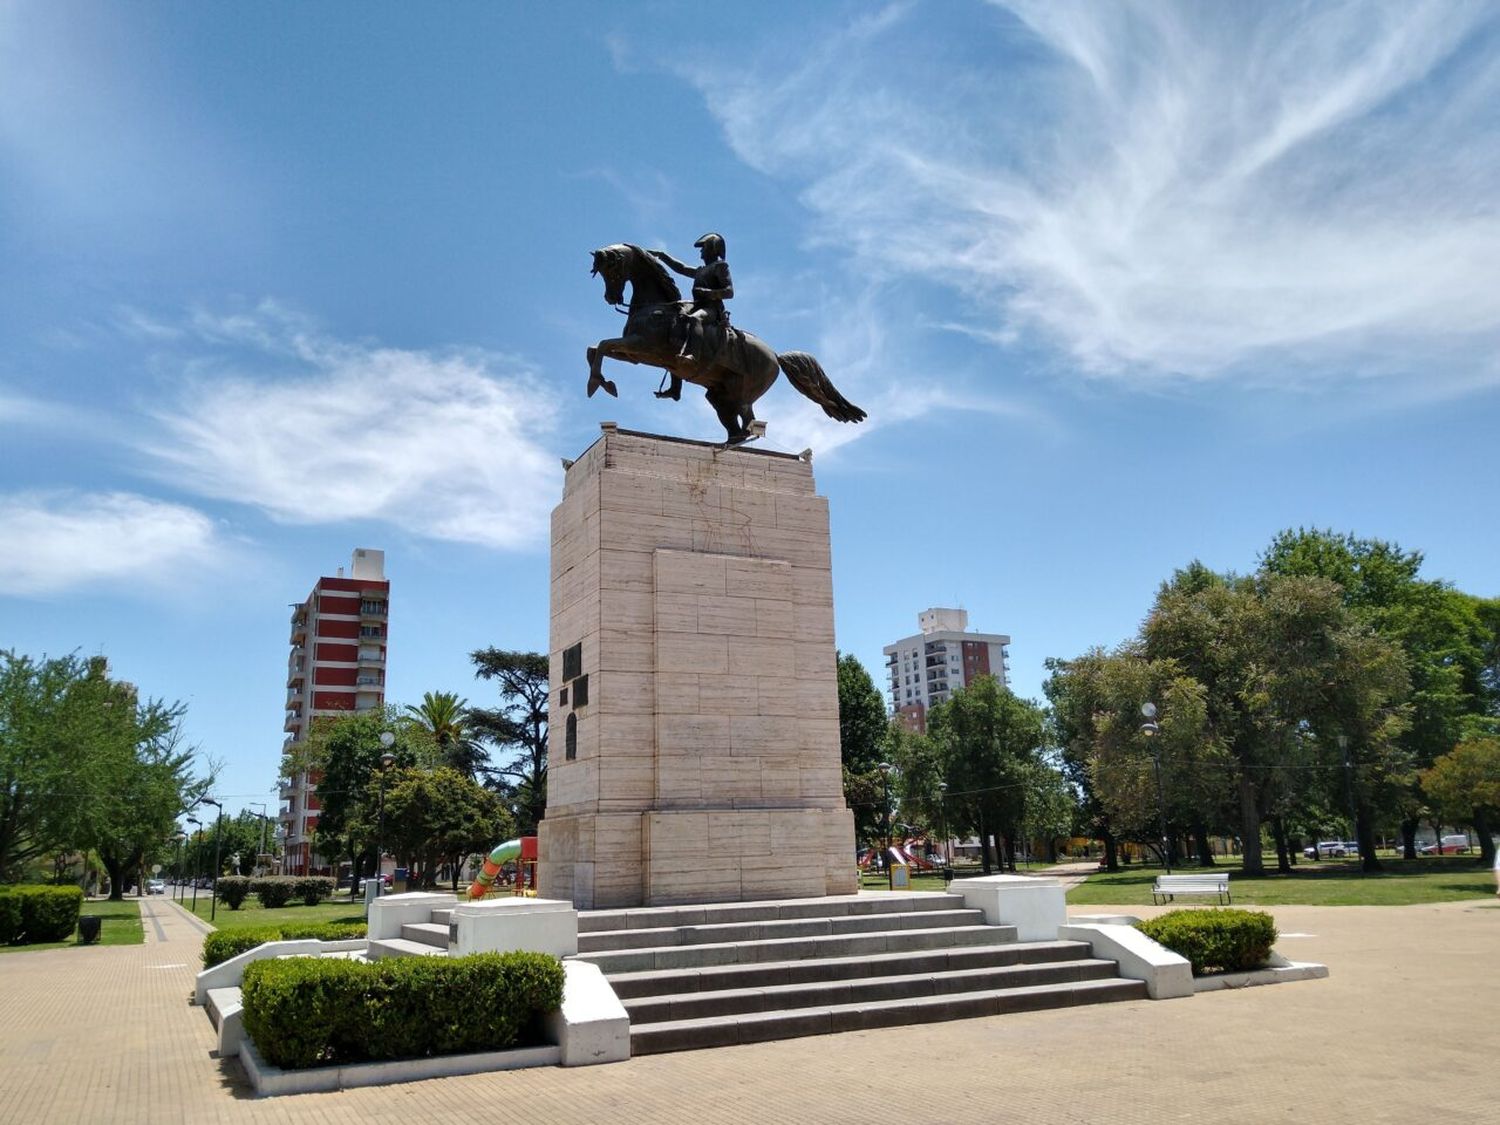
[{"x": 597, "y": 380}]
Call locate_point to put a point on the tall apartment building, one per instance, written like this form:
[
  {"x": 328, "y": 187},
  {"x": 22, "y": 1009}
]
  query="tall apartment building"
[
  {"x": 926, "y": 668},
  {"x": 337, "y": 664}
]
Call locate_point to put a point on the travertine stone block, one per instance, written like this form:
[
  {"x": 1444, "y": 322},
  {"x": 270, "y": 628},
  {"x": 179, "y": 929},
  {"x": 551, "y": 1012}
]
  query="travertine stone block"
[{"x": 696, "y": 581}]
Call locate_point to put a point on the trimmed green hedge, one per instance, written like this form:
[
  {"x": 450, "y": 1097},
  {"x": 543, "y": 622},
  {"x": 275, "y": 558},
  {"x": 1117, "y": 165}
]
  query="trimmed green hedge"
[
  {"x": 221, "y": 945},
  {"x": 1225, "y": 940},
  {"x": 36, "y": 914},
  {"x": 275, "y": 890},
  {"x": 234, "y": 890},
  {"x": 304, "y": 1012}
]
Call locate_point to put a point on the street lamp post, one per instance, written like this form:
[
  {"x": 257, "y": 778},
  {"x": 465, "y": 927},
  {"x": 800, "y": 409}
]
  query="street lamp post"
[
  {"x": 262, "y": 814},
  {"x": 387, "y": 760},
  {"x": 1150, "y": 729},
  {"x": 181, "y": 838},
  {"x": 1343, "y": 741},
  {"x": 199, "y": 823},
  {"x": 213, "y": 906},
  {"x": 885, "y": 820},
  {"x": 943, "y": 828}
]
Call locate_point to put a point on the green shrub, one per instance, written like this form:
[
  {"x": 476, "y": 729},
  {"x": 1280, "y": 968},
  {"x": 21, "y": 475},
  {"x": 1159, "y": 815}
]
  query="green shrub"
[
  {"x": 303, "y": 1012},
  {"x": 273, "y": 891},
  {"x": 221, "y": 945},
  {"x": 234, "y": 890},
  {"x": 313, "y": 889},
  {"x": 30, "y": 913},
  {"x": 10, "y": 916},
  {"x": 1226, "y": 940}
]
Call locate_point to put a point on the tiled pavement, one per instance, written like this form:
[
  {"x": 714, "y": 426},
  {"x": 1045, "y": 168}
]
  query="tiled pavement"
[{"x": 1404, "y": 1030}]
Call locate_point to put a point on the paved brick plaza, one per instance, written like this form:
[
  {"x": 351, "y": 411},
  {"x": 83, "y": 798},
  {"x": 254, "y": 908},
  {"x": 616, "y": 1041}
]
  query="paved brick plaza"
[{"x": 1404, "y": 1030}]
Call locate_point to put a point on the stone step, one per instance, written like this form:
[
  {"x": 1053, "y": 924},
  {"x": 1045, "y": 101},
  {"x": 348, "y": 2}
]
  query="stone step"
[
  {"x": 381, "y": 948},
  {"x": 757, "y": 1027},
  {"x": 831, "y": 993},
  {"x": 666, "y": 917},
  {"x": 770, "y": 974},
  {"x": 796, "y": 948},
  {"x": 442, "y": 917},
  {"x": 433, "y": 933},
  {"x": 718, "y": 933}
]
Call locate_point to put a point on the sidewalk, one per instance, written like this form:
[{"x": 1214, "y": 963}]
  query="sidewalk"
[{"x": 1402, "y": 1031}]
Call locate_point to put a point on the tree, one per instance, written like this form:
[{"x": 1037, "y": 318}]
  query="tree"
[
  {"x": 989, "y": 740},
  {"x": 435, "y": 818},
  {"x": 518, "y": 725},
  {"x": 342, "y": 755},
  {"x": 1464, "y": 787},
  {"x": 1443, "y": 635},
  {"x": 445, "y": 718},
  {"x": 864, "y": 742},
  {"x": 84, "y": 764}
]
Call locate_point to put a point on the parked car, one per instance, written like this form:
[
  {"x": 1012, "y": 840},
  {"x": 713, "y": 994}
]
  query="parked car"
[
  {"x": 1327, "y": 849},
  {"x": 1451, "y": 845},
  {"x": 156, "y": 887}
]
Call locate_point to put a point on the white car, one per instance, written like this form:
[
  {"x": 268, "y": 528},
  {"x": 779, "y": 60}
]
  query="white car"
[
  {"x": 1327, "y": 849},
  {"x": 156, "y": 887}
]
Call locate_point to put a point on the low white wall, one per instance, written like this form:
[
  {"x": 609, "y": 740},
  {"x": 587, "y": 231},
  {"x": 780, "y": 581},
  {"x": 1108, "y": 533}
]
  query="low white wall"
[
  {"x": 231, "y": 973},
  {"x": 1167, "y": 974},
  {"x": 498, "y": 925},
  {"x": 592, "y": 1026},
  {"x": 1035, "y": 906}
]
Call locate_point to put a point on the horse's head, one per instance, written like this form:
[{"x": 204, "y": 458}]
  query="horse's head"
[
  {"x": 610, "y": 263},
  {"x": 649, "y": 280}
]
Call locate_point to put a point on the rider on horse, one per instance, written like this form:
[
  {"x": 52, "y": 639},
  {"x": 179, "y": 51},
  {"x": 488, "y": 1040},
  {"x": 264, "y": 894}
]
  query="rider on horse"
[{"x": 712, "y": 286}]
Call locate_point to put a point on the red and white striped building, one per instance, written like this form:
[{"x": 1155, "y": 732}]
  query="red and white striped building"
[{"x": 337, "y": 664}]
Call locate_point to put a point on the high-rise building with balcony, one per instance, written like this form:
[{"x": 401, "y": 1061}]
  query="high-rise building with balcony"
[
  {"x": 337, "y": 664},
  {"x": 925, "y": 669}
]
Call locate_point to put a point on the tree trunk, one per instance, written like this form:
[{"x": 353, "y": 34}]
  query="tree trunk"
[
  {"x": 1111, "y": 852},
  {"x": 1205, "y": 850},
  {"x": 1278, "y": 833},
  {"x": 1409, "y": 838},
  {"x": 1486, "y": 842},
  {"x": 1365, "y": 834},
  {"x": 984, "y": 845},
  {"x": 1253, "y": 863}
]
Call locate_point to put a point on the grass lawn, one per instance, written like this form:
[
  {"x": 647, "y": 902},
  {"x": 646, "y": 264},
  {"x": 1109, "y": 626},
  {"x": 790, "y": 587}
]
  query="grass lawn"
[
  {"x": 252, "y": 913},
  {"x": 1329, "y": 883},
  {"x": 121, "y": 926}
]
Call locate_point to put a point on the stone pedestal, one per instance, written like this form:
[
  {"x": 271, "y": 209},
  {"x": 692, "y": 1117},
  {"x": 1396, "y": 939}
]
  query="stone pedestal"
[{"x": 694, "y": 748}]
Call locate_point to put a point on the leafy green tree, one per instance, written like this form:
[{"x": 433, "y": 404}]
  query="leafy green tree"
[
  {"x": 519, "y": 726},
  {"x": 343, "y": 755},
  {"x": 433, "y": 818},
  {"x": 863, "y": 744},
  {"x": 989, "y": 740},
  {"x": 445, "y": 718},
  {"x": 41, "y": 721},
  {"x": 1448, "y": 645},
  {"x": 1464, "y": 788}
]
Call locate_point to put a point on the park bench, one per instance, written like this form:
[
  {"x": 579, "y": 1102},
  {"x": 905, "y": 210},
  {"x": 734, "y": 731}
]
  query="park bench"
[{"x": 1168, "y": 887}]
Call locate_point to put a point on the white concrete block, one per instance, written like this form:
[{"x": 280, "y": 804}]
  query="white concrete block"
[
  {"x": 500, "y": 925},
  {"x": 1035, "y": 906},
  {"x": 592, "y": 1025},
  {"x": 390, "y": 912},
  {"x": 1167, "y": 974}
]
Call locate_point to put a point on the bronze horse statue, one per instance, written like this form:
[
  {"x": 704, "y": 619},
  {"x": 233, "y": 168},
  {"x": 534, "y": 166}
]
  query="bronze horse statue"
[{"x": 736, "y": 368}]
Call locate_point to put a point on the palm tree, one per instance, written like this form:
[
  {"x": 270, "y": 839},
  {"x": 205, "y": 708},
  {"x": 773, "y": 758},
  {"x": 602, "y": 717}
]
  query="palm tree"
[{"x": 444, "y": 716}]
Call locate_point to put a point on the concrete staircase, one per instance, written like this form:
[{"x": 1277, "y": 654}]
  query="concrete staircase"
[
  {"x": 720, "y": 974},
  {"x": 418, "y": 939}
]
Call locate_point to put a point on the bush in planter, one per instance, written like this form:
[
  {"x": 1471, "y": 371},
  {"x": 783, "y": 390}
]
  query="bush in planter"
[
  {"x": 234, "y": 890},
  {"x": 313, "y": 889},
  {"x": 221, "y": 945},
  {"x": 1226, "y": 940},
  {"x": 10, "y": 916},
  {"x": 274, "y": 890},
  {"x": 303, "y": 1012}
]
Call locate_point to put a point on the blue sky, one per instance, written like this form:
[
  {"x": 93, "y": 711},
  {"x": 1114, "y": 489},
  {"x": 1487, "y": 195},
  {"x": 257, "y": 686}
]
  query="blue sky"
[{"x": 1120, "y": 286}]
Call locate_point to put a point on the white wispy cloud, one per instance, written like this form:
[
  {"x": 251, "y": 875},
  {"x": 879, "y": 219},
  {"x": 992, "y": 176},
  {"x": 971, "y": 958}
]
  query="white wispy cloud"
[
  {"x": 64, "y": 540},
  {"x": 312, "y": 430},
  {"x": 1162, "y": 190}
]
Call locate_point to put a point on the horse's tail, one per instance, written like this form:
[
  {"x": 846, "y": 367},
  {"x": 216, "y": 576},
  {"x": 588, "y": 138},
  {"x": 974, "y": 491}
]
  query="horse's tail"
[{"x": 806, "y": 374}]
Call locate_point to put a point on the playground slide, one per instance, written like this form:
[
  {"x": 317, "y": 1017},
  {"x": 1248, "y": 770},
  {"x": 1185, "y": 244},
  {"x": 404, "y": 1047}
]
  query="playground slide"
[{"x": 500, "y": 855}]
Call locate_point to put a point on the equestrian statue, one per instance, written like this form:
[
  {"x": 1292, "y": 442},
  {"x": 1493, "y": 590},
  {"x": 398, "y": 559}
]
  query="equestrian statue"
[{"x": 693, "y": 340}]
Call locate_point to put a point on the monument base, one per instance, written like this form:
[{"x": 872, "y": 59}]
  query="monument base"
[{"x": 673, "y": 857}]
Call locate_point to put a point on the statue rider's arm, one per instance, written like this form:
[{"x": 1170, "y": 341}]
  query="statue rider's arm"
[{"x": 673, "y": 263}]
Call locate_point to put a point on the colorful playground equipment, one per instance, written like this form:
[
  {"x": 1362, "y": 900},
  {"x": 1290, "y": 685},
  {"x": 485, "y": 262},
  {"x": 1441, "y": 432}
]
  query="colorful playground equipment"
[{"x": 523, "y": 851}]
